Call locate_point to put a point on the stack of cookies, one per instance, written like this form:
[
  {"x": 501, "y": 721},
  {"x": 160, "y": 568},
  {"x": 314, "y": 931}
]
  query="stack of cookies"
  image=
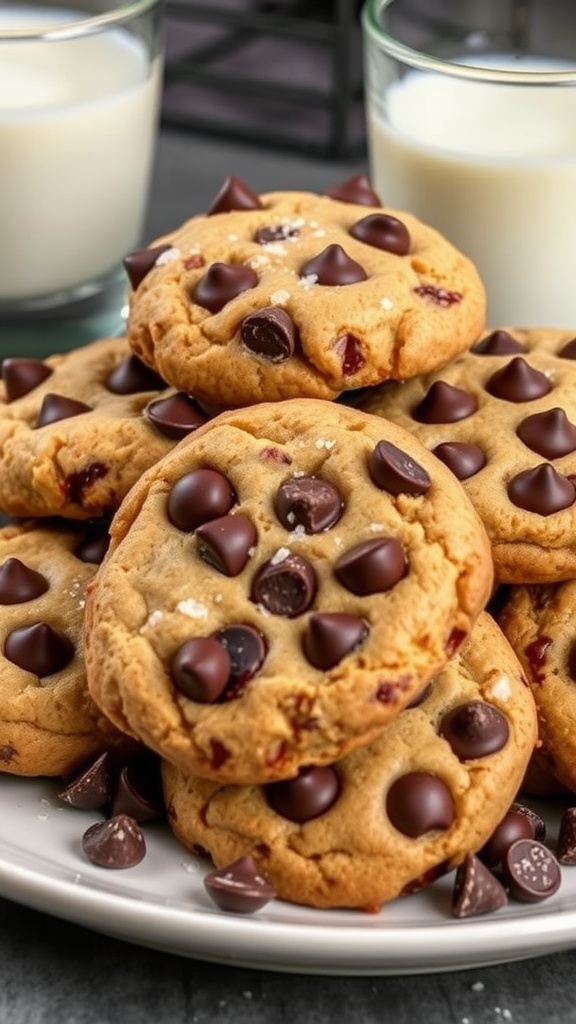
[{"x": 307, "y": 498}]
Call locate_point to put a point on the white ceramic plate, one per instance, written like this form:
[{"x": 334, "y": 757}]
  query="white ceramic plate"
[{"x": 162, "y": 903}]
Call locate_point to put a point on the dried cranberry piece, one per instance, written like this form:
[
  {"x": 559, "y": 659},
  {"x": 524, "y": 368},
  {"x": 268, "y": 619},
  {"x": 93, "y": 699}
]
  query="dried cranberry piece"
[
  {"x": 438, "y": 296},
  {"x": 350, "y": 352}
]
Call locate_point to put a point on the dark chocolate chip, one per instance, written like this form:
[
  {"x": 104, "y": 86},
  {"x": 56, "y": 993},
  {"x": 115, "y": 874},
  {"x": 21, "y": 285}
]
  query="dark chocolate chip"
[
  {"x": 333, "y": 266},
  {"x": 513, "y": 826},
  {"x": 38, "y": 649},
  {"x": 419, "y": 802},
  {"x": 394, "y": 471},
  {"x": 20, "y": 583},
  {"x": 541, "y": 490},
  {"x": 548, "y": 433},
  {"x": 566, "y": 845},
  {"x": 307, "y": 796},
  {"x": 285, "y": 585},
  {"x": 537, "y": 824},
  {"x": 276, "y": 233},
  {"x": 93, "y": 788},
  {"x": 270, "y": 333},
  {"x": 22, "y": 375},
  {"x": 350, "y": 352},
  {"x": 234, "y": 195},
  {"x": 371, "y": 567},
  {"x": 572, "y": 660},
  {"x": 138, "y": 264},
  {"x": 58, "y": 407},
  {"x": 246, "y": 649},
  {"x": 308, "y": 502},
  {"x": 444, "y": 403},
  {"x": 226, "y": 543},
  {"x": 200, "y": 669},
  {"x": 199, "y": 496},
  {"x": 132, "y": 376},
  {"x": 498, "y": 343},
  {"x": 531, "y": 871},
  {"x": 176, "y": 416},
  {"x": 115, "y": 843},
  {"x": 382, "y": 231},
  {"x": 517, "y": 381},
  {"x": 239, "y": 888},
  {"x": 356, "y": 189},
  {"x": 475, "y": 729},
  {"x": 221, "y": 283},
  {"x": 464, "y": 460},
  {"x": 330, "y": 636},
  {"x": 476, "y": 890},
  {"x": 138, "y": 791},
  {"x": 568, "y": 351},
  {"x": 93, "y": 547},
  {"x": 420, "y": 697}
]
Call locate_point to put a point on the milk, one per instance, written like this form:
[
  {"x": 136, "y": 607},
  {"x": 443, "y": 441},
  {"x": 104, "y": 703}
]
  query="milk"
[
  {"x": 78, "y": 124},
  {"x": 494, "y": 168}
]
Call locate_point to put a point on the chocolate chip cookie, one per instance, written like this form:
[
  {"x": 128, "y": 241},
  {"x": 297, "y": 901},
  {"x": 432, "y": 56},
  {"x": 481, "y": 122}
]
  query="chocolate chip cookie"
[
  {"x": 503, "y": 418},
  {"x": 279, "y": 587},
  {"x": 392, "y": 816},
  {"x": 293, "y": 294}
]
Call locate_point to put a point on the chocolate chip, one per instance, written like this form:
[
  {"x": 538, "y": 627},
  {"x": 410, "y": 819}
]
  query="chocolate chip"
[
  {"x": 239, "y": 887},
  {"x": 568, "y": 351},
  {"x": 420, "y": 697},
  {"x": 132, "y": 376},
  {"x": 22, "y": 375},
  {"x": 199, "y": 496},
  {"x": 356, "y": 189},
  {"x": 20, "y": 583},
  {"x": 38, "y": 649},
  {"x": 246, "y": 649},
  {"x": 58, "y": 407},
  {"x": 541, "y": 490},
  {"x": 382, "y": 231},
  {"x": 513, "y": 826},
  {"x": 394, "y": 471},
  {"x": 566, "y": 845},
  {"x": 138, "y": 791},
  {"x": 200, "y": 669},
  {"x": 548, "y": 433},
  {"x": 372, "y": 566},
  {"x": 308, "y": 502},
  {"x": 464, "y": 460},
  {"x": 176, "y": 416},
  {"x": 476, "y": 890},
  {"x": 537, "y": 824},
  {"x": 444, "y": 403},
  {"x": 226, "y": 543},
  {"x": 276, "y": 233},
  {"x": 330, "y": 636},
  {"x": 115, "y": 843},
  {"x": 307, "y": 796},
  {"x": 93, "y": 547},
  {"x": 572, "y": 660},
  {"x": 498, "y": 343},
  {"x": 475, "y": 729},
  {"x": 234, "y": 195},
  {"x": 518, "y": 382},
  {"x": 333, "y": 266},
  {"x": 351, "y": 353},
  {"x": 531, "y": 871},
  {"x": 270, "y": 333},
  {"x": 419, "y": 802},
  {"x": 76, "y": 484},
  {"x": 221, "y": 283},
  {"x": 93, "y": 787},
  {"x": 138, "y": 264},
  {"x": 284, "y": 585}
]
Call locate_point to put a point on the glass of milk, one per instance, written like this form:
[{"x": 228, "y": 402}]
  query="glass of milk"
[
  {"x": 471, "y": 114},
  {"x": 80, "y": 85}
]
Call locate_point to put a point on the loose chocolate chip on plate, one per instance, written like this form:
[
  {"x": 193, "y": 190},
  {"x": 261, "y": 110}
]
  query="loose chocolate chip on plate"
[
  {"x": 39, "y": 649},
  {"x": 22, "y": 375},
  {"x": 548, "y": 433},
  {"x": 239, "y": 887},
  {"x": 531, "y": 871},
  {"x": 221, "y": 283},
  {"x": 20, "y": 583},
  {"x": 93, "y": 787},
  {"x": 307, "y": 796},
  {"x": 138, "y": 791},
  {"x": 566, "y": 845},
  {"x": 270, "y": 333},
  {"x": 115, "y": 843},
  {"x": 464, "y": 460},
  {"x": 537, "y": 823},
  {"x": 419, "y": 802},
  {"x": 514, "y": 826},
  {"x": 226, "y": 543},
  {"x": 371, "y": 567},
  {"x": 476, "y": 890},
  {"x": 475, "y": 729},
  {"x": 234, "y": 195},
  {"x": 57, "y": 407},
  {"x": 199, "y": 496},
  {"x": 333, "y": 266},
  {"x": 517, "y": 381},
  {"x": 330, "y": 636},
  {"x": 444, "y": 403},
  {"x": 284, "y": 585},
  {"x": 138, "y": 264},
  {"x": 355, "y": 189},
  {"x": 498, "y": 343},
  {"x": 382, "y": 231},
  {"x": 200, "y": 669},
  {"x": 394, "y": 471},
  {"x": 133, "y": 376},
  {"x": 176, "y": 416},
  {"x": 309, "y": 502},
  {"x": 541, "y": 490}
]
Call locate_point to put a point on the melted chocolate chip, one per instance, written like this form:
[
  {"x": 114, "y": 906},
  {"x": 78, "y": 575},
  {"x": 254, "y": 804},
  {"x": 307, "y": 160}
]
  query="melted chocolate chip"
[
  {"x": 464, "y": 460},
  {"x": 371, "y": 567},
  {"x": 475, "y": 729},
  {"x": 38, "y": 649},
  {"x": 285, "y": 585},
  {"x": 176, "y": 416},
  {"x": 132, "y": 376},
  {"x": 382, "y": 231},
  {"x": 138, "y": 264},
  {"x": 234, "y": 195},
  {"x": 115, "y": 843},
  {"x": 226, "y": 543},
  {"x": 309, "y": 795},
  {"x": 476, "y": 890},
  {"x": 330, "y": 636},
  {"x": 444, "y": 403},
  {"x": 58, "y": 407},
  {"x": 21, "y": 376},
  {"x": 239, "y": 888},
  {"x": 93, "y": 547},
  {"x": 276, "y": 233},
  {"x": 541, "y": 490},
  {"x": 356, "y": 189},
  {"x": 498, "y": 343},
  {"x": 394, "y": 471},
  {"x": 517, "y": 381},
  {"x": 308, "y": 502},
  {"x": 531, "y": 871},
  {"x": 221, "y": 283},
  {"x": 93, "y": 787},
  {"x": 138, "y": 791},
  {"x": 333, "y": 266},
  {"x": 199, "y": 496},
  {"x": 246, "y": 649},
  {"x": 549, "y": 434},
  {"x": 566, "y": 845},
  {"x": 351, "y": 353},
  {"x": 270, "y": 333},
  {"x": 418, "y": 803},
  {"x": 76, "y": 484},
  {"x": 568, "y": 351},
  {"x": 20, "y": 583},
  {"x": 513, "y": 826},
  {"x": 200, "y": 669}
]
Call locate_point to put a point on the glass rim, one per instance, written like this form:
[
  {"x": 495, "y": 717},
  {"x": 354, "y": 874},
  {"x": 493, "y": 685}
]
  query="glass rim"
[
  {"x": 82, "y": 26},
  {"x": 471, "y": 72}
]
